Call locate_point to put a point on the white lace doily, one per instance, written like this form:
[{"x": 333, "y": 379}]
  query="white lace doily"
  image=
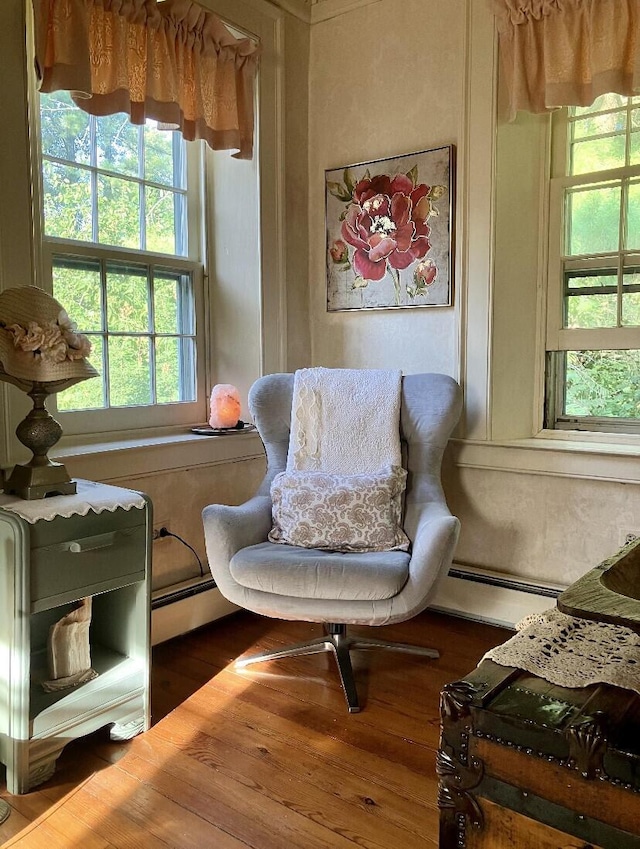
[
  {"x": 573, "y": 652},
  {"x": 90, "y": 496}
]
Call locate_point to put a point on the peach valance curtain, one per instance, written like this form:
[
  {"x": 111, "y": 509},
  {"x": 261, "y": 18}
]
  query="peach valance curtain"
[
  {"x": 567, "y": 52},
  {"x": 172, "y": 61}
]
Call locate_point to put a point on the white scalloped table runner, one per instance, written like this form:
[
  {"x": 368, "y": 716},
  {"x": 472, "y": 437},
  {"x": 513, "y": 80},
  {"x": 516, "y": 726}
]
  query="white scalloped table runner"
[
  {"x": 572, "y": 652},
  {"x": 91, "y": 495}
]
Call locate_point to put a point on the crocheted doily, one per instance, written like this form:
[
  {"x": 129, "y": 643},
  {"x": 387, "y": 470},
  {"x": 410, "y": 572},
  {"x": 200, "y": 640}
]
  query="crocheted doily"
[
  {"x": 91, "y": 495},
  {"x": 573, "y": 652}
]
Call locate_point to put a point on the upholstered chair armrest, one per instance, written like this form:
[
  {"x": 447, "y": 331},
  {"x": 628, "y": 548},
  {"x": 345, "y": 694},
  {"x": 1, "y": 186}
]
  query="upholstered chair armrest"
[
  {"x": 435, "y": 534},
  {"x": 227, "y": 529}
]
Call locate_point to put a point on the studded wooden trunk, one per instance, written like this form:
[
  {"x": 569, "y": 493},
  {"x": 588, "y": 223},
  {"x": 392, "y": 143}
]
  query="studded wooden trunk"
[{"x": 526, "y": 764}]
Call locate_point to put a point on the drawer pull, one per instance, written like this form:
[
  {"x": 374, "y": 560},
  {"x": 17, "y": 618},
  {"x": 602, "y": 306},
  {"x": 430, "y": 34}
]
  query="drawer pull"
[{"x": 77, "y": 546}]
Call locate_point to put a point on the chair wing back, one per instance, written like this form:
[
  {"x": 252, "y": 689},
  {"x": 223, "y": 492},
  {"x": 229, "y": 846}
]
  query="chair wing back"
[
  {"x": 270, "y": 400},
  {"x": 431, "y": 407}
]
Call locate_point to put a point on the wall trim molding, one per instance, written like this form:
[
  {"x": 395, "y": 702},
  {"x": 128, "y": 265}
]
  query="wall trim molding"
[
  {"x": 300, "y": 9},
  {"x": 316, "y": 11},
  {"x": 476, "y": 218},
  {"x": 324, "y": 10},
  {"x": 619, "y": 463},
  {"x": 273, "y": 297}
]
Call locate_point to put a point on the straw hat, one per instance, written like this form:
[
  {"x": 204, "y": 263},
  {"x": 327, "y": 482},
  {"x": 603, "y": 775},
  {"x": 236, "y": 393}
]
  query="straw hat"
[{"x": 38, "y": 342}]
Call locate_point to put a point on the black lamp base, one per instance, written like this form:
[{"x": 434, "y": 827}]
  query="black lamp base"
[
  {"x": 32, "y": 482},
  {"x": 39, "y": 432}
]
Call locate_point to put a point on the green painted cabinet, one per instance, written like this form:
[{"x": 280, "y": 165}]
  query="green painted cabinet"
[{"x": 46, "y": 567}]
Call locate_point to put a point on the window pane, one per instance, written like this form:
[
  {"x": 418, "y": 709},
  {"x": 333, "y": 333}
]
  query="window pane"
[
  {"x": 76, "y": 284},
  {"x": 631, "y": 300},
  {"x": 597, "y": 154},
  {"x": 118, "y": 212},
  {"x": 593, "y": 217},
  {"x": 594, "y": 279},
  {"x": 591, "y": 310},
  {"x": 598, "y": 125},
  {"x": 129, "y": 371},
  {"x": 163, "y": 156},
  {"x": 89, "y": 394},
  {"x": 634, "y": 144},
  {"x": 174, "y": 306},
  {"x": 117, "y": 145},
  {"x": 603, "y": 383},
  {"x": 67, "y": 201},
  {"x": 174, "y": 382},
  {"x": 127, "y": 299},
  {"x": 605, "y": 101},
  {"x": 160, "y": 213},
  {"x": 633, "y": 217},
  {"x": 64, "y": 128}
]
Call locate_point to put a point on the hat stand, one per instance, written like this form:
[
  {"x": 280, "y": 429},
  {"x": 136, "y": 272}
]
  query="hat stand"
[{"x": 39, "y": 432}]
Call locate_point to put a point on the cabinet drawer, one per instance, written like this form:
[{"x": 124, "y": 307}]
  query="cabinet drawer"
[{"x": 87, "y": 564}]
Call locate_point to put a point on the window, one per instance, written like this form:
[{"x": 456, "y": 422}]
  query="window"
[
  {"x": 120, "y": 244},
  {"x": 593, "y": 334}
]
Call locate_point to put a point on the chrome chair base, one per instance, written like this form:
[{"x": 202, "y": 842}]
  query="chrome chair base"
[{"x": 336, "y": 640}]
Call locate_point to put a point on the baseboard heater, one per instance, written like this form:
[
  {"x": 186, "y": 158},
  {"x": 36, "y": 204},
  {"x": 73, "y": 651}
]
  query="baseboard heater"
[
  {"x": 493, "y": 597},
  {"x": 182, "y": 591},
  {"x": 467, "y": 591},
  {"x": 506, "y": 583},
  {"x": 488, "y": 578},
  {"x": 183, "y": 607}
]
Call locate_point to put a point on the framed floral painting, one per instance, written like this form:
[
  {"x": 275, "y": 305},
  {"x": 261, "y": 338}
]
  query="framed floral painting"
[{"x": 389, "y": 232}]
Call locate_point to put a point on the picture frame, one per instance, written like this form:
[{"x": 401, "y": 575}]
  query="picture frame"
[{"x": 389, "y": 232}]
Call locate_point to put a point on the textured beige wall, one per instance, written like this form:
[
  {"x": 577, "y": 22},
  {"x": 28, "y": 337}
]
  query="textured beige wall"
[
  {"x": 542, "y": 527},
  {"x": 385, "y": 79},
  {"x": 178, "y": 499}
]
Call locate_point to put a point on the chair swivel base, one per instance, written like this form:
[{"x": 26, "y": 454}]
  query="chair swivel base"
[{"x": 337, "y": 641}]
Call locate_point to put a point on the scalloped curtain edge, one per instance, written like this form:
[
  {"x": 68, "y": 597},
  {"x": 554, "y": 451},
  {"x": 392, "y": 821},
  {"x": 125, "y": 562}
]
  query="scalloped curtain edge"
[{"x": 567, "y": 52}]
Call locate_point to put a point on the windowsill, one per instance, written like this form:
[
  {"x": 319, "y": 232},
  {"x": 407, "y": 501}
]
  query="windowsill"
[
  {"x": 612, "y": 457},
  {"x": 600, "y": 440},
  {"x": 564, "y": 453},
  {"x": 122, "y": 457}
]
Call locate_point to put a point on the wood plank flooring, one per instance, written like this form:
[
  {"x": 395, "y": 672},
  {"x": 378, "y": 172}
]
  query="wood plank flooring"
[{"x": 266, "y": 757}]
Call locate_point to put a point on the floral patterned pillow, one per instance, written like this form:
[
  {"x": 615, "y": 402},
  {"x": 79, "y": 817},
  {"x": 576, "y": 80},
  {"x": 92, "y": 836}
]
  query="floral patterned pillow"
[{"x": 339, "y": 512}]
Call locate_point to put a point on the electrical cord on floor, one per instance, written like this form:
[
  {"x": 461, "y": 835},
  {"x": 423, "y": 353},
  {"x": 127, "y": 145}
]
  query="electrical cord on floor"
[{"x": 165, "y": 532}]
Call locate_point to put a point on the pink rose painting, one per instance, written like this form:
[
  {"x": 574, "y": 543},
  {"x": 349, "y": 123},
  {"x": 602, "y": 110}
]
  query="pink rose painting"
[{"x": 389, "y": 232}]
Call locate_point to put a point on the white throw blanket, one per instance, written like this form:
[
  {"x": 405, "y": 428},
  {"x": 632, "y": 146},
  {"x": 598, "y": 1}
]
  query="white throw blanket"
[{"x": 345, "y": 421}]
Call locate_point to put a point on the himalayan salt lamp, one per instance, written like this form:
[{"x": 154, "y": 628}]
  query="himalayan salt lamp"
[{"x": 225, "y": 406}]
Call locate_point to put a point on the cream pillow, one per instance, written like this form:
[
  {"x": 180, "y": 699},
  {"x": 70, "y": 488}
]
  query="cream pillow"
[{"x": 339, "y": 512}]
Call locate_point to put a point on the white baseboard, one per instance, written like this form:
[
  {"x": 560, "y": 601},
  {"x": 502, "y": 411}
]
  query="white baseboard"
[{"x": 492, "y": 597}]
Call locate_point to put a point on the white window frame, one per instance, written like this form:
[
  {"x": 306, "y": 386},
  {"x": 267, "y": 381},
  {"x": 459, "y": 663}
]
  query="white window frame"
[
  {"x": 558, "y": 337},
  {"x": 115, "y": 419}
]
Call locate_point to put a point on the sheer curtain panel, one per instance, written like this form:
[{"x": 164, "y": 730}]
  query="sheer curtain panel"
[
  {"x": 567, "y": 52},
  {"x": 172, "y": 61}
]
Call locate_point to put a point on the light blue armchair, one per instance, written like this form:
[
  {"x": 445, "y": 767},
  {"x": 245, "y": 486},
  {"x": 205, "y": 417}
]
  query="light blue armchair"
[{"x": 356, "y": 588}]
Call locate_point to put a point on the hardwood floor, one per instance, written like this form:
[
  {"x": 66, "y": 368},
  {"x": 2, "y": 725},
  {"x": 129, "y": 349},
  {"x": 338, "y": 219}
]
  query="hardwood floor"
[{"x": 267, "y": 757}]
